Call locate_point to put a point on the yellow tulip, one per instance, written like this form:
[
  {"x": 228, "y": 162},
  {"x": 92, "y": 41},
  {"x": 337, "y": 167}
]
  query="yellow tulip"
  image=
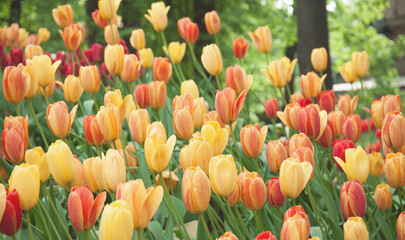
[
  {"x": 61, "y": 164},
  {"x": 216, "y": 136},
  {"x": 211, "y": 59},
  {"x": 157, "y": 16},
  {"x": 158, "y": 151},
  {"x": 176, "y": 51},
  {"x": 355, "y": 229},
  {"x": 261, "y": 37},
  {"x": 43, "y": 69},
  {"x": 280, "y": 72},
  {"x": 189, "y": 86},
  {"x": 116, "y": 222},
  {"x": 113, "y": 170},
  {"x": 43, "y": 35},
  {"x": 356, "y": 165},
  {"x": 108, "y": 8},
  {"x": 146, "y": 56},
  {"x": 319, "y": 59},
  {"x": 197, "y": 153},
  {"x": 33, "y": 50},
  {"x": 72, "y": 89},
  {"x": 25, "y": 179},
  {"x": 294, "y": 176},
  {"x": 137, "y": 39},
  {"x": 109, "y": 121},
  {"x": 114, "y": 59},
  {"x": 93, "y": 170},
  {"x": 223, "y": 175},
  {"x": 347, "y": 72},
  {"x": 360, "y": 63},
  {"x": 37, "y": 156},
  {"x": 111, "y": 34}
]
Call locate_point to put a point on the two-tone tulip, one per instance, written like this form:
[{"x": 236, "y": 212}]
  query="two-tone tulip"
[
  {"x": 312, "y": 121},
  {"x": 79, "y": 179},
  {"x": 16, "y": 83},
  {"x": 267, "y": 235},
  {"x": 212, "y": 22},
  {"x": 138, "y": 123},
  {"x": 157, "y": 94},
  {"x": 305, "y": 154},
  {"x": 61, "y": 163},
  {"x": 352, "y": 199},
  {"x": 132, "y": 66},
  {"x": 236, "y": 195},
  {"x": 275, "y": 197},
  {"x": 383, "y": 196},
  {"x": 32, "y": 50},
  {"x": 157, "y": 16},
  {"x": 294, "y": 176},
  {"x": 116, "y": 221},
  {"x": 196, "y": 190},
  {"x": 376, "y": 164},
  {"x": 183, "y": 123},
  {"x": 401, "y": 226},
  {"x": 137, "y": 39},
  {"x": 37, "y": 156},
  {"x": 319, "y": 59},
  {"x": 391, "y": 103},
  {"x": 236, "y": 78},
  {"x": 328, "y": 136},
  {"x": 271, "y": 108},
  {"x": 275, "y": 154},
  {"x": 216, "y": 136},
  {"x": 109, "y": 122},
  {"x": 113, "y": 170},
  {"x": 339, "y": 149},
  {"x": 63, "y": 15},
  {"x": 360, "y": 63},
  {"x": 90, "y": 78},
  {"x": 346, "y": 104},
  {"x": 394, "y": 168},
  {"x": 93, "y": 169},
  {"x": 289, "y": 116},
  {"x": 228, "y": 105},
  {"x": 188, "y": 30},
  {"x": 72, "y": 89},
  {"x": 108, "y": 8},
  {"x": 311, "y": 84},
  {"x": 92, "y": 132},
  {"x": 337, "y": 119},
  {"x": 356, "y": 165},
  {"x": 253, "y": 190},
  {"x": 377, "y": 112},
  {"x": 162, "y": 69},
  {"x": 223, "y": 175},
  {"x": 59, "y": 119},
  {"x": 295, "y": 227},
  {"x": 352, "y": 127},
  {"x": 326, "y": 100},
  {"x": 14, "y": 139},
  {"x": 98, "y": 19},
  {"x": 297, "y": 141},
  {"x": 261, "y": 37},
  {"x": 355, "y": 229},
  {"x": 240, "y": 47},
  {"x": 280, "y": 72},
  {"x": 111, "y": 34},
  {"x": 228, "y": 236},
  {"x": 393, "y": 130},
  {"x": 252, "y": 138},
  {"x": 211, "y": 59},
  {"x": 25, "y": 179},
  {"x": 11, "y": 216},
  {"x": 141, "y": 95},
  {"x": 297, "y": 211}
]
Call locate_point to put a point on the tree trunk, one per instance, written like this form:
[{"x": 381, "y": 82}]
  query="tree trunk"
[
  {"x": 312, "y": 33},
  {"x": 15, "y": 12},
  {"x": 290, "y": 53}
]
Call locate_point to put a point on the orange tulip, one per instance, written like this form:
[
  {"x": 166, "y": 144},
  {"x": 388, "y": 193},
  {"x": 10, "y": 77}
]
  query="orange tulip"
[
  {"x": 383, "y": 197},
  {"x": 337, "y": 118},
  {"x": 290, "y": 115},
  {"x": 346, "y": 104},
  {"x": 98, "y": 19},
  {"x": 236, "y": 195},
  {"x": 252, "y": 139},
  {"x": 326, "y": 100},
  {"x": 73, "y": 35},
  {"x": 376, "y": 164},
  {"x": 360, "y": 63},
  {"x": 90, "y": 78},
  {"x": 211, "y": 59},
  {"x": 114, "y": 59},
  {"x": 319, "y": 59},
  {"x": 328, "y": 136},
  {"x": 141, "y": 95},
  {"x": 401, "y": 226},
  {"x": 280, "y": 72},
  {"x": 59, "y": 119},
  {"x": 132, "y": 67},
  {"x": 352, "y": 199},
  {"x": 108, "y": 119},
  {"x": 240, "y": 47},
  {"x": 228, "y": 106},
  {"x": 162, "y": 69},
  {"x": 275, "y": 154},
  {"x": 111, "y": 34},
  {"x": 271, "y": 108},
  {"x": 311, "y": 84},
  {"x": 312, "y": 122},
  {"x": 157, "y": 94},
  {"x": 377, "y": 113},
  {"x": 183, "y": 123},
  {"x": 16, "y": 84},
  {"x": 138, "y": 123},
  {"x": 72, "y": 89},
  {"x": 196, "y": 190},
  {"x": 253, "y": 191},
  {"x": 228, "y": 236},
  {"x": 275, "y": 197},
  {"x": 137, "y": 39},
  {"x": 188, "y": 30},
  {"x": 262, "y": 39},
  {"x": 92, "y": 170},
  {"x": 393, "y": 130},
  {"x": 33, "y": 50},
  {"x": 394, "y": 168},
  {"x": 298, "y": 141},
  {"x": 391, "y": 103},
  {"x": 92, "y": 131},
  {"x": 236, "y": 78},
  {"x": 297, "y": 211},
  {"x": 352, "y": 127},
  {"x": 63, "y": 15},
  {"x": 305, "y": 154},
  {"x": 212, "y": 22},
  {"x": 14, "y": 140}
]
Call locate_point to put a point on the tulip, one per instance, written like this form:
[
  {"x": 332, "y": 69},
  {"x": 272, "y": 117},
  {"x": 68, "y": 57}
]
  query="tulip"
[
  {"x": 212, "y": 22},
  {"x": 196, "y": 190},
  {"x": 73, "y": 35},
  {"x": 216, "y": 136},
  {"x": 319, "y": 59},
  {"x": 157, "y": 94},
  {"x": 141, "y": 95},
  {"x": 236, "y": 195},
  {"x": 223, "y": 175},
  {"x": 188, "y": 30},
  {"x": 228, "y": 106},
  {"x": 113, "y": 170},
  {"x": 98, "y": 19},
  {"x": 328, "y": 135},
  {"x": 262, "y": 39},
  {"x": 16, "y": 55},
  {"x": 116, "y": 221},
  {"x": 347, "y": 72},
  {"x": 11, "y": 216},
  {"x": 50, "y": 89},
  {"x": 43, "y": 35},
  {"x": 252, "y": 139},
  {"x": 157, "y": 16},
  {"x": 61, "y": 163},
  {"x": 326, "y": 100},
  {"x": 211, "y": 59},
  {"x": 114, "y": 59},
  {"x": 253, "y": 191},
  {"x": 297, "y": 211},
  {"x": 275, "y": 154},
  {"x": 383, "y": 197},
  {"x": 37, "y": 156},
  {"x": 183, "y": 123},
  {"x": 158, "y": 151},
  {"x": 199, "y": 110},
  {"x": 92, "y": 131},
  {"x": 311, "y": 84},
  {"x": 275, "y": 197},
  {"x": 236, "y": 78},
  {"x": 33, "y": 50},
  {"x": 170, "y": 179},
  {"x": 337, "y": 118},
  {"x": 59, "y": 119},
  {"x": 280, "y": 72},
  {"x": 14, "y": 143},
  {"x": 376, "y": 164},
  {"x": 295, "y": 97},
  {"x": 240, "y": 47},
  {"x": 189, "y": 86},
  {"x": 305, "y": 154},
  {"x": 146, "y": 57},
  {"x": 394, "y": 168},
  {"x": 175, "y": 51},
  {"x": 22, "y": 37},
  {"x": 111, "y": 34},
  {"x": 352, "y": 199},
  {"x": 400, "y": 226},
  {"x": 137, "y": 39},
  {"x": 312, "y": 121},
  {"x": 154, "y": 129},
  {"x": 43, "y": 69},
  {"x": 162, "y": 69},
  {"x": 352, "y": 127},
  {"x": 356, "y": 165},
  {"x": 108, "y": 119},
  {"x": 25, "y": 179},
  {"x": 92, "y": 170},
  {"x": 72, "y": 89},
  {"x": 271, "y": 108},
  {"x": 294, "y": 176},
  {"x": 346, "y": 104},
  {"x": 360, "y": 63},
  {"x": 377, "y": 113},
  {"x": 391, "y": 103},
  {"x": 298, "y": 141},
  {"x": 228, "y": 236},
  {"x": 16, "y": 84},
  {"x": 132, "y": 68},
  {"x": 355, "y": 229},
  {"x": 138, "y": 122},
  {"x": 79, "y": 179},
  {"x": 183, "y": 101},
  {"x": 339, "y": 149},
  {"x": 393, "y": 130},
  {"x": 290, "y": 115},
  {"x": 295, "y": 228},
  {"x": 265, "y": 236},
  {"x": 90, "y": 78},
  {"x": 108, "y": 8},
  {"x": 213, "y": 116},
  {"x": 63, "y": 15}
]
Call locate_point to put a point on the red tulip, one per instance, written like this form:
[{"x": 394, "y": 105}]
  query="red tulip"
[
  {"x": 274, "y": 196},
  {"x": 12, "y": 217},
  {"x": 240, "y": 47},
  {"x": 328, "y": 136},
  {"x": 271, "y": 108},
  {"x": 162, "y": 69},
  {"x": 16, "y": 56},
  {"x": 352, "y": 199},
  {"x": 265, "y": 236},
  {"x": 352, "y": 127},
  {"x": 92, "y": 131},
  {"x": 326, "y": 100}
]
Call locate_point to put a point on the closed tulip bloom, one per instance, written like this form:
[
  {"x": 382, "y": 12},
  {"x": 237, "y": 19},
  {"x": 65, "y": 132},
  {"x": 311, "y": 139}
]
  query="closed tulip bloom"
[
  {"x": 11, "y": 217},
  {"x": 401, "y": 226},
  {"x": 108, "y": 119},
  {"x": 339, "y": 149},
  {"x": 43, "y": 69},
  {"x": 319, "y": 59},
  {"x": 376, "y": 164},
  {"x": 72, "y": 89},
  {"x": 337, "y": 118},
  {"x": 176, "y": 51},
  {"x": 326, "y": 100},
  {"x": 311, "y": 84},
  {"x": 289, "y": 116},
  {"x": 108, "y": 8},
  {"x": 157, "y": 16},
  {"x": 61, "y": 163},
  {"x": 158, "y": 151},
  {"x": 157, "y": 94},
  {"x": 261, "y": 37},
  {"x": 305, "y": 154},
  {"x": 162, "y": 69},
  {"x": 92, "y": 169},
  {"x": 383, "y": 197},
  {"x": 275, "y": 154},
  {"x": 236, "y": 78},
  {"x": 79, "y": 179},
  {"x": 25, "y": 179},
  {"x": 394, "y": 168},
  {"x": 142, "y": 202},
  {"x": 253, "y": 191},
  {"x": 271, "y": 108},
  {"x": 59, "y": 119},
  {"x": 92, "y": 132},
  {"x": 15, "y": 137},
  {"x": 211, "y": 59},
  {"x": 346, "y": 104},
  {"x": 33, "y": 50},
  {"x": 137, "y": 39},
  {"x": 355, "y": 229},
  {"x": 156, "y": 128},
  {"x": 252, "y": 139},
  {"x": 236, "y": 195},
  {"x": 43, "y": 35},
  {"x": 265, "y": 236},
  {"x": 141, "y": 95},
  {"x": 183, "y": 101},
  {"x": 356, "y": 165},
  {"x": 352, "y": 127},
  {"x": 116, "y": 221},
  {"x": 228, "y": 236},
  {"x": 347, "y": 72},
  {"x": 240, "y": 47},
  {"x": 377, "y": 113},
  {"x": 37, "y": 156},
  {"x": 188, "y": 30},
  {"x": 312, "y": 121},
  {"x": 391, "y": 103},
  {"x": 294, "y": 176},
  {"x": 275, "y": 197},
  {"x": 146, "y": 56},
  {"x": 16, "y": 84},
  {"x": 189, "y": 86},
  {"x": 63, "y": 15},
  {"x": 280, "y": 72},
  {"x": 111, "y": 34},
  {"x": 360, "y": 63},
  {"x": 114, "y": 59},
  {"x": 73, "y": 36},
  {"x": 196, "y": 190},
  {"x": 183, "y": 123},
  {"x": 138, "y": 123},
  {"x": 297, "y": 210},
  {"x": 212, "y": 22},
  {"x": 295, "y": 228},
  {"x": 98, "y": 19},
  {"x": 352, "y": 199},
  {"x": 132, "y": 67},
  {"x": 113, "y": 170},
  {"x": 298, "y": 141},
  {"x": 328, "y": 136},
  {"x": 216, "y": 136},
  {"x": 223, "y": 175},
  {"x": 228, "y": 105},
  {"x": 90, "y": 78},
  {"x": 393, "y": 130}
]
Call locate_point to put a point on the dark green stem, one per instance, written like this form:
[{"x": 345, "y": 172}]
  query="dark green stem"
[
  {"x": 39, "y": 125},
  {"x": 27, "y": 216},
  {"x": 205, "y": 226}
]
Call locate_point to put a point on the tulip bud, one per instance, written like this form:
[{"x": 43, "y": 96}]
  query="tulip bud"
[
  {"x": 114, "y": 59},
  {"x": 14, "y": 142},
  {"x": 401, "y": 226},
  {"x": 228, "y": 236},
  {"x": 295, "y": 227},
  {"x": 271, "y": 108},
  {"x": 312, "y": 121},
  {"x": 141, "y": 95},
  {"x": 16, "y": 84},
  {"x": 90, "y": 78},
  {"x": 352, "y": 127},
  {"x": 116, "y": 221},
  {"x": 72, "y": 89},
  {"x": 37, "y": 156},
  {"x": 326, "y": 100},
  {"x": 337, "y": 119},
  {"x": 111, "y": 34},
  {"x": 253, "y": 190},
  {"x": 391, "y": 103},
  {"x": 137, "y": 39},
  {"x": 63, "y": 15},
  {"x": 211, "y": 59},
  {"x": 347, "y": 72},
  {"x": 394, "y": 167},
  {"x": 113, "y": 170},
  {"x": 305, "y": 154},
  {"x": 383, "y": 196},
  {"x": 356, "y": 165},
  {"x": 61, "y": 163},
  {"x": 280, "y": 72},
  {"x": 92, "y": 131},
  {"x": 275, "y": 197},
  {"x": 189, "y": 86},
  {"x": 196, "y": 190},
  {"x": 294, "y": 176},
  {"x": 188, "y": 30},
  {"x": 346, "y": 104},
  {"x": 138, "y": 122},
  {"x": 132, "y": 68},
  {"x": 252, "y": 139},
  {"x": 25, "y": 179},
  {"x": 319, "y": 59},
  {"x": 228, "y": 106},
  {"x": 59, "y": 119},
  {"x": 32, "y": 50},
  {"x": 98, "y": 19},
  {"x": 223, "y": 175},
  {"x": 183, "y": 123},
  {"x": 360, "y": 63},
  {"x": 376, "y": 164},
  {"x": 299, "y": 211},
  {"x": 261, "y": 37},
  {"x": 157, "y": 94},
  {"x": 73, "y": 35},
  {"x": 377, "y": 113},
  {"x": 265, "y": 236},
  {"x": 146, "y": 57},
  {"x": 176, "y": 51},
  {"x": 275, "y": 154},
  {"x": 240, "y": 47},
  {"x": 11, "y": 217},
  {"x": 92, "y": 169},
  {"x": 158, "y": 151},
  {"x": 355, "y": 229},
  {"x": 311, "y": 84},
  {"x": 352, "y": 199},
  {"x": 216, "y": 136},
  {"x": 43, "y": 69},
  {"x": 235, "y": 78},
  {"x": 162, "y": 69},
  {"x": 393, "y": 130},
  {"x": 108, "y": 119},
  {"x": 212, "y": 22},
  {"x": 290, "y": 115}
]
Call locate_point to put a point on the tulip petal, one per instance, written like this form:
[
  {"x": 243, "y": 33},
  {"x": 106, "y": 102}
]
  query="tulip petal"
[
  {"x": 3, "y": 200},
  {"x": 151, "y": 204},
  {"x": 307, "y": 167},
  {"x": 97, "y": 207},
  {"x": 75, "y": 210},
  {"x": 341, "y": 163},
  {"x": 283, "y": 117}
]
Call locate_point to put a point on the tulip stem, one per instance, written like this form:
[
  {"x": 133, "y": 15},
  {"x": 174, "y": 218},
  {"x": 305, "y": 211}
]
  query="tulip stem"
[
  {"x": 139, "y": 232},
  {"x": 289, "y": 91},
  {"x": 330, "y": 156},
  {"x": 214, "y": 223},
  {"x": 205, "y": 226},
  {"x": 282, "y": 96},
  {"x": 14, "y": 237},
  {"x": 73, "y": 62},
  {"x": 218, "y": 82},
  {"x": 236, "y": 146},
  {"x": 196, "y": 63},
  {"x": 112, "y": 33},
  {"x": 95, "y": 101},
  {"x": 258, "y": 221},
  {"x": 239, "y": 217},
  {"x": 315, "y": 209},
  {"x": 181, "y": 73},
  {"x": 400, "y": 199},
  {"x": 46, "y": 97},
  {"x": 257, "y": 166},
  {"x": 27, "y": 216},
  {"x": 87, "y": 235},
  {"x": 372, "y": 223},
  {"x": 49, "y": 218},
  {"x": 293, "y": 202},
  {"x": 168, "y": 110},
  {"x": 17, "y": 110},
  {"x": 362, "y": 88},
  {"x": 216, "y": 40},
  {"x": 39, "y": 125},
  {"x": 233, "y": 219}
]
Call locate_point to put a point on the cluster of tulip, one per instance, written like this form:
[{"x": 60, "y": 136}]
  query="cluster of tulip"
[{"x": 134, "y": 178}]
